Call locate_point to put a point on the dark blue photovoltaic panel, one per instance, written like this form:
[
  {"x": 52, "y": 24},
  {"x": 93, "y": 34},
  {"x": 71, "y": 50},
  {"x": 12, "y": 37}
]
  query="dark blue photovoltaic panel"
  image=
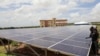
[
  {"x": 75, "y": 43},
  {"x": 58, "y": 36},
  {"x": 51, "y": 39},
  {"x": 69, "y": 39},
  {"x": 21, "y": 38},
  {"x": 79, "y": 39},
  {"x": 40, "y": 42},
  {"x": 71, "y": 49},
  {"x": 82, "y": 35}
]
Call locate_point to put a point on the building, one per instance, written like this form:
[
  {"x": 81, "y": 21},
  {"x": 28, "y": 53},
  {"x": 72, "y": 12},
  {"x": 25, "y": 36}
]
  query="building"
[{"x": 53, "y": 22}]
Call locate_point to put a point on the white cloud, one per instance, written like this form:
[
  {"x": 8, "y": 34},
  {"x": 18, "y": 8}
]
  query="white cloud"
[
  {"x": 92, "y": 16},
  {"x": 41, "y": 9},
  {"x": 95, "y": 13},
  {"x": 96, "y": 9},
  {"x": 6, "y": 3},
  {"x": 74, "y": 17},
  {"x": 45, "y": 2},
  {"x": 87, "y": 1},
  {"x": 30, "y": 15}
]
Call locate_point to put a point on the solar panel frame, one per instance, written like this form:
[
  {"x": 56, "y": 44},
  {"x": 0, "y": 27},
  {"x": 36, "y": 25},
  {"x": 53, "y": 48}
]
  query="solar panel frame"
[{"x": 42, "y": 33}]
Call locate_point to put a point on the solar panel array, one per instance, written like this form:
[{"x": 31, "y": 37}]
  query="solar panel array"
[{"x": 67, "y": 39}]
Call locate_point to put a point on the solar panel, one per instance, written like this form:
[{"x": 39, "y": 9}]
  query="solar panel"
[
  {"x": 81, "y": 40},
  {"x": 71, "y": 49},
  {"x": 39, "y": 42},
  {"x": 69, "y": 39},
  {"x": 51, "y": 39},
  {"x": 58, "y": 36},
  {"x": 76, "y": 43},
  {"x": 21, "y": 38}
]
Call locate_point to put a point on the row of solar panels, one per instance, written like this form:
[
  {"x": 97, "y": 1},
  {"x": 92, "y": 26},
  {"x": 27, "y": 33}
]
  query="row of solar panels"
[{"x": 67, "y": 39}]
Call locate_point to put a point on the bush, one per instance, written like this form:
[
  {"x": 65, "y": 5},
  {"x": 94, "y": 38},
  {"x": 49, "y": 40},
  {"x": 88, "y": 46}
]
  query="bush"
[{"x": 14, "y": 43}]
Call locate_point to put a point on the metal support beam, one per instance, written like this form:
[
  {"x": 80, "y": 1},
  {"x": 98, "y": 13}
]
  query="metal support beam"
[
  {"x": 33, "y": 50},
  {"x": 8, "y": 47},
  {"x": 57, "y": 53},
  {"x": 45, "y": 50}
]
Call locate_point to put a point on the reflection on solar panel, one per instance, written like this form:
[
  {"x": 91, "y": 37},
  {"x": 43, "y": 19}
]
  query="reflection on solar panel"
[{"x": 67, "y": 39}]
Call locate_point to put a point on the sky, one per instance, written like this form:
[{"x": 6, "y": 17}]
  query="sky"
[{"x": 16, "y": 13}]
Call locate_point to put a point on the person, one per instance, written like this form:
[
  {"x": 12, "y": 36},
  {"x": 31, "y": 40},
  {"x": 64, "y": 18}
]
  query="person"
[
  {"x": 91, "y": 31},
  {"x": 94, "y": 35}
]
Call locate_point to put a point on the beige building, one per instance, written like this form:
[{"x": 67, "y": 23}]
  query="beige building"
[{"x": 53, "y": 22}]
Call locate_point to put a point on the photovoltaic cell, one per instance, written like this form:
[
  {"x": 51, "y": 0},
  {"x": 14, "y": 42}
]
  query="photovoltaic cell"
[
  {"x": 82, "y": 35},
  {"x": 71, "y": 49},
  {"x": 40, "y": 42},
  {"x": 76, "y": 43},
  {"x": 51, "y": 39},
  {"x": 57, "y": 38},
  {"x": 21, "y": 38},
  {"x": 81, "y": 40}
]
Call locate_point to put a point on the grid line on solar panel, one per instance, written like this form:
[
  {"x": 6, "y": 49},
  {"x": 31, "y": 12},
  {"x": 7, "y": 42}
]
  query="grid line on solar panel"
[
  {"x": 82, "y": 35},
  {"x": 79, "y": 41},
  {"x": 58, "y": 36},
  {"x": 51, "y": 39},
  {"x": 21, "y": 38},
  {"x": 63, "y": 40},
  {"x": 61, "y": 35},
  {"x": 20, "y": 35},
  {"x": 40, "y": 42},
  {"x": 13, "y": 35},
  {"x": 43, "y": 32},
  {"x": 16, "y": 33},
  {"x": 76, "y": 44},
  {"x": 71, "y": 49},
  {"x": 41, "y": 37}
]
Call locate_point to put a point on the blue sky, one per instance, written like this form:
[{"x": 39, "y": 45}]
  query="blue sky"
[{"x": 29, "y": 12}]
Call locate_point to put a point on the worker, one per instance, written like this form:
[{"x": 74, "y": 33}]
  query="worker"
[{"x": 94, "y": 35}]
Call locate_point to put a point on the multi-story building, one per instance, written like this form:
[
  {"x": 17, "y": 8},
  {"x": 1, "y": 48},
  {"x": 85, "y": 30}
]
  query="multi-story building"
[{"x": 53, "y": 22}]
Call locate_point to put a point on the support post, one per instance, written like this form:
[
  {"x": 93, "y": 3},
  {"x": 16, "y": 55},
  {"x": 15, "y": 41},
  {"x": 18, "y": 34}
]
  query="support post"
[
  {"x": 45, "y": 50},
  {"x": 57, "y": 53},
  {"x": 33, "y": 50},
  {"x": 8, "y": 46}
]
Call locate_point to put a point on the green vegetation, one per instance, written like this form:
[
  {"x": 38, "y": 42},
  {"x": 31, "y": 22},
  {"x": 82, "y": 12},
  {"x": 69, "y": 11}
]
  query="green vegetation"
[
  {"x": 14, "y": 43},
  {"x": 2, "y": 50},
  {"x": 98, "y": 26},
  {"x": 3, "y": 54},
  {"x": 96, "y": 23},
  {"x": 19, "y": 27},
  {"x": 70, "y": 23}
]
